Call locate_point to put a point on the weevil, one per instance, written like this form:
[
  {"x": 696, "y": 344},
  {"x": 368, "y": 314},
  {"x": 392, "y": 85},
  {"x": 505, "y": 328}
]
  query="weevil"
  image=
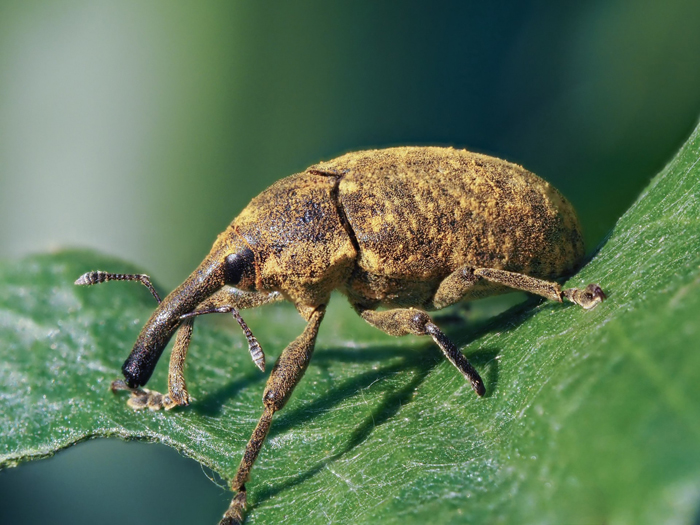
[{"x": 408, "y": 229}]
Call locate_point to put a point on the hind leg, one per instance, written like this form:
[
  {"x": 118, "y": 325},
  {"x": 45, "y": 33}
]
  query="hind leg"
[
  {"x": 587, "y": 298},
  {"x": 458, "y": 283}
]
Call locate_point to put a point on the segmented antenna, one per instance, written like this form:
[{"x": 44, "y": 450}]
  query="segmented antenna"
[
  {"x": 256, "y": 351},
  {"x": 98, "y": 276}
]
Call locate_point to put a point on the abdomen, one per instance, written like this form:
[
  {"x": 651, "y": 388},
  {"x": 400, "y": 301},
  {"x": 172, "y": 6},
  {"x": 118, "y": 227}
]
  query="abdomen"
[{"x": 419, "y": 213}]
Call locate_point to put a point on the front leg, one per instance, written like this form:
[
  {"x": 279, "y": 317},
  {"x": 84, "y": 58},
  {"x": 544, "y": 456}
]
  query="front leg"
[
  {"x": 177, "y": 389},
  {"x": 286, "y": 374},
  {"x": 225, "y": 300}
]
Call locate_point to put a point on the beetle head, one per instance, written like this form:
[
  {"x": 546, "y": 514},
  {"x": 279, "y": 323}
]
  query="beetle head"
[{"x": 230, "y": 262}]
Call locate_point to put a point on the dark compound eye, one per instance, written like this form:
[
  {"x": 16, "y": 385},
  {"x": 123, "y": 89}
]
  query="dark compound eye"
[{"x": 236, "y": 265}]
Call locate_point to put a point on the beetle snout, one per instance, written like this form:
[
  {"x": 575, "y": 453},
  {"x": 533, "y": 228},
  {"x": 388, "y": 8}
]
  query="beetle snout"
[
  {"x": 153, "y": 339},
  {"x": 154, "y": 336}
]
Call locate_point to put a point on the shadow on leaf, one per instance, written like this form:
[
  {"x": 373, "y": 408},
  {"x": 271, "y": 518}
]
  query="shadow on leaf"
[
  {"x": 425, "y": 357},
  {"x": 421, "y": 362}
]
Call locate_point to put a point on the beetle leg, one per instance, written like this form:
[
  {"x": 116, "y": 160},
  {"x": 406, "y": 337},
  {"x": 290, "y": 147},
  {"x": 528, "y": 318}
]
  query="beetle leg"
[
  {"x": 404, "y": 321},
  {"x": 587, "y": 298},
  {"x": 453, "y": 287},
  {"x": 177, "y": 389},
  {"x": 286, "y": 374},
  {"x": 224, "y": 298},
  {"x": 142, "y": 397}
]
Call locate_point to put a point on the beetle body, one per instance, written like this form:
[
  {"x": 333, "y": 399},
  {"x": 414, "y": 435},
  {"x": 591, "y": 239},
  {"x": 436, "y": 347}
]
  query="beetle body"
[
  {"x": 387, "y": 226},
  {"x": 412, "y": 229}
]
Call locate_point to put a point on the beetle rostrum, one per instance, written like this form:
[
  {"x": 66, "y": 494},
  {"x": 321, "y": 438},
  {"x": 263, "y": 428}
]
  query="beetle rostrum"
[{"x": 408, "y": 230}]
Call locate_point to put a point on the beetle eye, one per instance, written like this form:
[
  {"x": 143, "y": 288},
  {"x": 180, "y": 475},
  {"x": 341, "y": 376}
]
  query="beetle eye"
[{"x": 236, "y": 265}]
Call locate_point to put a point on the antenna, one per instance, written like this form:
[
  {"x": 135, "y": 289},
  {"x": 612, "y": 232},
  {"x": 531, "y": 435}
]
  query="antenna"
[
  {"x": 90, "y": 278},
  {"x": 256, "y": 351}
]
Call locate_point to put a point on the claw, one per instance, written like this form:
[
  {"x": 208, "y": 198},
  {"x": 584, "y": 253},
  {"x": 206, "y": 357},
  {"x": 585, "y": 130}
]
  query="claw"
[
  {"x": 144, "y": 398},
  {"x": 235, "y": 513},
  {"x": 596, "y": 292},
  {"x": 588, "y": 298}
]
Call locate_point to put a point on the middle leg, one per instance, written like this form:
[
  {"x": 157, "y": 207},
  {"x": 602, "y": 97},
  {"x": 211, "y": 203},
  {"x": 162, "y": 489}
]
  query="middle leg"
[{"x": 404, "y": 321}]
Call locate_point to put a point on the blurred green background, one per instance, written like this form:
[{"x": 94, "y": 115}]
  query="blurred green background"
[{"x": 141, "y": 129}]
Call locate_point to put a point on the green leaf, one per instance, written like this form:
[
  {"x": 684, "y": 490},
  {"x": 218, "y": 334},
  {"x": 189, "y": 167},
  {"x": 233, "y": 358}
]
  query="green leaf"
[{"x": 590, "y": 417}]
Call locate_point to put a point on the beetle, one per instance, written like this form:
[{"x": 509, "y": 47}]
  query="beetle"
[{"x": 409, "y": 229}]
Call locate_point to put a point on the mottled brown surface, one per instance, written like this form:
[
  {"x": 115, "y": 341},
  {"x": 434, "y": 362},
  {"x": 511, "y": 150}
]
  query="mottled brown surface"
[
  {"x": 420, "y": 213},
  {"x": 301, "y": 247}
]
